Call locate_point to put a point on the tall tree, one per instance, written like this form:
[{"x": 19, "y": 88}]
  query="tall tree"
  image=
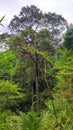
[
  {"x": 29, "y": 45},
  {"x": 37, "y": 32}
]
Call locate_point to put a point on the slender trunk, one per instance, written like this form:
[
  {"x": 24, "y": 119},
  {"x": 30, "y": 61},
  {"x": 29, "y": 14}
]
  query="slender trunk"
[
  {"x": 37, "y": 83},
  {"x": 53, "y": 105},
  {"x": 37, "y": 94},
  {"x": 32, "y": 94}
]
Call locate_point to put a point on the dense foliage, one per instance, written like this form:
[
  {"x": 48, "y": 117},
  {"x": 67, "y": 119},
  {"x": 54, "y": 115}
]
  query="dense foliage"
[
  {"x": 36, "y": 73},
  {"x": 68, "y": 39}
]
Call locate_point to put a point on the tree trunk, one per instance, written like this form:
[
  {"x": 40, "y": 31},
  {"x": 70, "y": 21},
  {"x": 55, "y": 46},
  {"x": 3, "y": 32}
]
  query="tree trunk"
[{"x": 37, "y": 83}]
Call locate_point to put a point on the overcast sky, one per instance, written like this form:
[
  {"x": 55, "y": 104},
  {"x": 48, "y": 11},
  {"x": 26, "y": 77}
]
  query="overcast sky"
[{"x": 13, "y": 7}]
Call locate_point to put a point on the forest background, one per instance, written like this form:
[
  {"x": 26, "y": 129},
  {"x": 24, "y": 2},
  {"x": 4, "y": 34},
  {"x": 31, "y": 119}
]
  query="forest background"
[{"x": 36, "y": 72}]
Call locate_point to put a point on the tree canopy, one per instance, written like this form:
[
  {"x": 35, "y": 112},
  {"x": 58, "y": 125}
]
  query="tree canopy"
[{"x": 68, "y": 38}]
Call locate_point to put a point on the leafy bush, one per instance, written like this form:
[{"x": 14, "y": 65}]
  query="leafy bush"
[
  {"x": 9, "y": 121},
  {"x": 30, "y": 121}
]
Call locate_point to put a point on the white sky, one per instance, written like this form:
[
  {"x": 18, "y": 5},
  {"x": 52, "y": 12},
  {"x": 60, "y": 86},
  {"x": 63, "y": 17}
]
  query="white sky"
[{"x": 13, "y": 7}]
